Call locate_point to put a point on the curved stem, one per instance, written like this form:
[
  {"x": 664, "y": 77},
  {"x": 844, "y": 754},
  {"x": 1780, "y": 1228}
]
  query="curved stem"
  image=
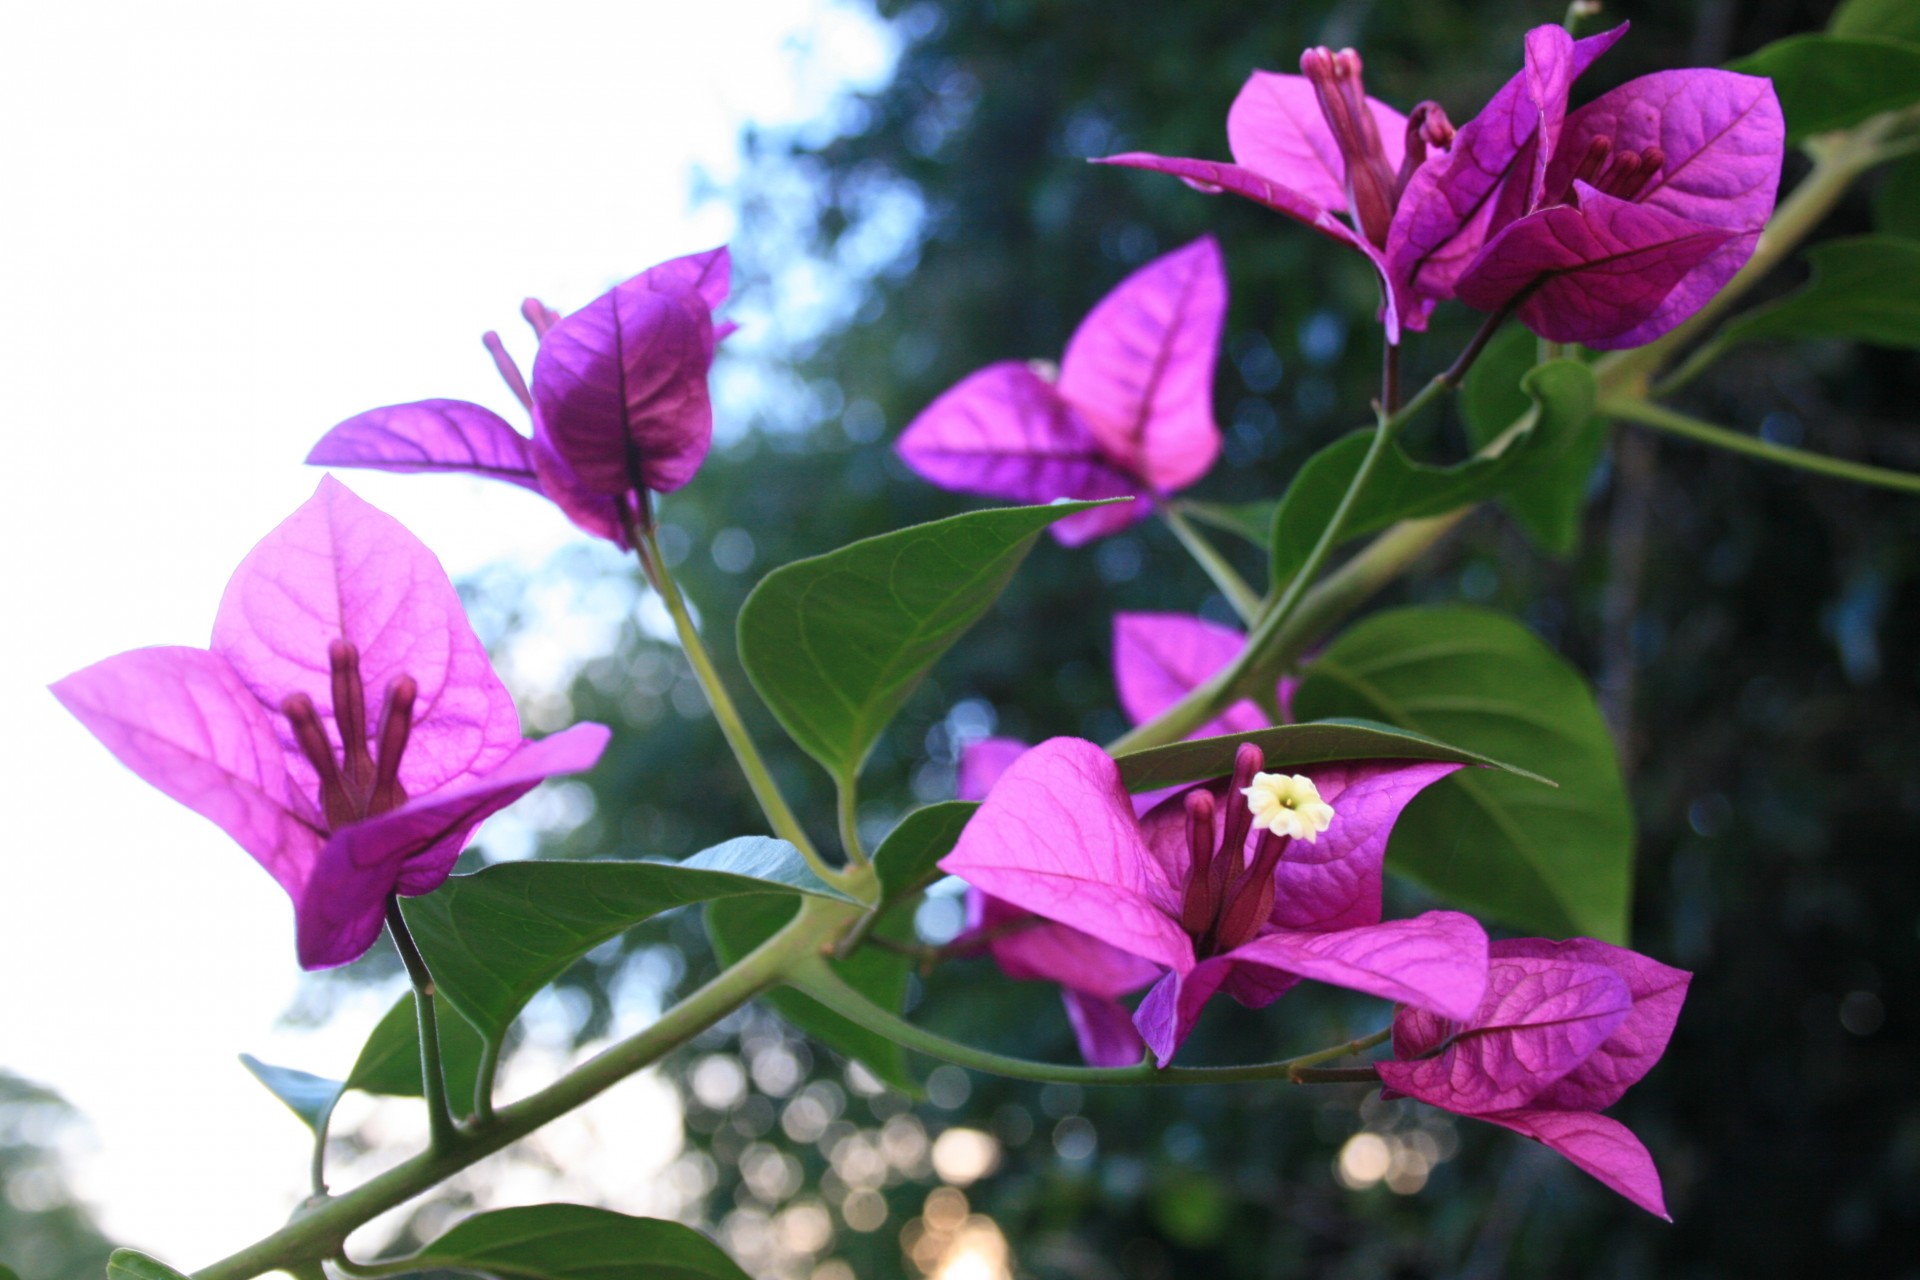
[
  {"x": 442, "y": 1136},
  {"x": 824, "y": 985},
  {"x": 772, "y": 803},
  {"x": 1204, "y": 701},
  {"x": 322, "y": 1231},
  {"x": 1241, "y": 596},
  {"x": 1680, "y": 424},
  {"x": 487, "y": 1070},
  {"x": 849, "y": 811}
]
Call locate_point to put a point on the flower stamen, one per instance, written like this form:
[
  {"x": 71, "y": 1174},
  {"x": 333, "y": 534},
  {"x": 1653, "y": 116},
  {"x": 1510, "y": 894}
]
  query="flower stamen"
[{"x": 1370, "y": 181}]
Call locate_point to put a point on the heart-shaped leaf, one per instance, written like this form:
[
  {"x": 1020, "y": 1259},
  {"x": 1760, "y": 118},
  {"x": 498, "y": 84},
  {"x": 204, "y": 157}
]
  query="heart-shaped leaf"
[
  {"x": 1401, "y": 488},
  {"x": 905, "y": 859},
  {"x": 837, "y": 643},
  {"x": 575, "y": 1242},
  {"x": 736, "y": 926},
  {"x": 1288, "y": 745},
  {"x": 1548, "y": 493},
  {"x": 1829, "y": 82},
  {"x": 494, "y": 938},
  {"x": 1559, "y": 861},
  {"x": 1862, "y": 288}
]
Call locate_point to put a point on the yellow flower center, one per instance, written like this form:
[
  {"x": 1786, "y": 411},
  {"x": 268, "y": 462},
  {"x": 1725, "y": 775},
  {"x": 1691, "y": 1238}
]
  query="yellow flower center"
[{"x": 1288, "y": 805}]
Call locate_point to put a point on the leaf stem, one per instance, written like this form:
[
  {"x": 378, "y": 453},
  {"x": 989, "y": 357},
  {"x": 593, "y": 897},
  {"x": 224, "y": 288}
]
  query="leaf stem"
[
  {"x": 824, "y": 985},
  {"x": 1241, "y": 596},
  {"x": 442, "y": 1135},
  {"x": 848, "y": 807},
  {"x": 772, "y": 803},
  {"x": 1675, "y": 423},
  {"x": 1204, "y": 701},
  {"x": 321, "y": 1232}
]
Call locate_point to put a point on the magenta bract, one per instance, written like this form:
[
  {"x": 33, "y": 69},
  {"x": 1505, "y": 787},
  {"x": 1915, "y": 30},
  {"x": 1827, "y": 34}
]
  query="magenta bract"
[
  {"x": 1129, "y": 413},
  {"x": 344, "y": 726},
  {"x": 1057, "y": 836},
  {"x": 1563, "y": 1030},
  {"x": 1607, "y": 225},
  {"x": 1314, "y": 147},
  {"x": 619, "y": 402}
]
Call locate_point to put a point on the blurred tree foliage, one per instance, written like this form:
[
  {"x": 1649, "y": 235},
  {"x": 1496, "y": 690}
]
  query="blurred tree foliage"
[
  {"x": 1754, "y": 634},
  {"x": 44, "y": 1234}
]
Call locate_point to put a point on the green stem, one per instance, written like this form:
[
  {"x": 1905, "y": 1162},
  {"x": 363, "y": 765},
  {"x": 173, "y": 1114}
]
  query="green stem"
[
  {"x": 849, "y": 811},
  {"x": 1680, "y": 424},
  {"x": 820, "y": 982},
  {"x": 772, "y": 802},
  {"x": 442, "y": 1135},
  {"x": 1203, "y": 703},
  {"x": 484, "y": 1075},
  {"x": 321, "y": 1232},
  {"x": 1241, "y": 596}
]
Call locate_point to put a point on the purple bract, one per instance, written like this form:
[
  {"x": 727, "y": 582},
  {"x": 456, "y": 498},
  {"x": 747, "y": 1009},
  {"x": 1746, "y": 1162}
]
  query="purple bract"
[
  {"x": 1215, "y": 892},
  {"x": 1608, "y": 225},
  {"x": 271, "y": 731},
  {"x": 1564, "y": 1029},
  {"x": 619, "y": 402},
  {"x": 1129, "y": 412}
]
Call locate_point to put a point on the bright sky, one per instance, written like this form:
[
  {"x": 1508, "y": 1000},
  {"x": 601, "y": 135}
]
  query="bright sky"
[{"x": 229, "y": 226}]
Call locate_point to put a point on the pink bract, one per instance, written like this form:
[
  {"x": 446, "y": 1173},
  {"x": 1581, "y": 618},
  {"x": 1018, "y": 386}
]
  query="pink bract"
[
  {"x": 339, "y": 598},
  {"x": 1129, "y": 414},
  {"x": 1607, "y": 225},
  {"x": 1564, "y": 1029},
  {"x": 619, "y": 403},
  {"x": 1057, "y": 836}
]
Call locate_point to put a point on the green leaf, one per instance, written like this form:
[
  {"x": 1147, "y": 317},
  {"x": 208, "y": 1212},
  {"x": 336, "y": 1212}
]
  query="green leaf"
[
  {"x": 131, "y": 1264},
  {"x": 309, "y": 1096},
  {"x": 1556, "y": 861},
  {"x": 389, "y": 1062},
  {"x": 1896, "y": 205},
  {"x": 1547, "y": 494},
  {"x": 1289, "y": 745},
  {"x": 1866, "y": 288},
  {"x": 837, "y": 643},
  {"x": 1877, "y": 19},
  {"x": 1250, "y": 520},
  {"x": 1828, "y": 82},
  {"x": 905, "y": 859},
  {"x": 574, "y": 1242},
  {"x": 8, "y": 1273},
  {"x": 738, "y": 925},
  {"x": 1403, "y": 489},
  {"x": 494, "y": 938}
]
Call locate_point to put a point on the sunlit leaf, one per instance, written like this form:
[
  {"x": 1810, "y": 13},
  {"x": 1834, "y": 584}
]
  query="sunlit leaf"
[
  {"x": 837, "y": 643},
  {"x": 494, "y": 938},
  {"x": 131, "y": 1264},
  {"x": 309, "y": 1096},
  {"x": 1291, "y": 745},
  {"x": 575, "y": 1242},
  {"x": 1555, "y": 860}
]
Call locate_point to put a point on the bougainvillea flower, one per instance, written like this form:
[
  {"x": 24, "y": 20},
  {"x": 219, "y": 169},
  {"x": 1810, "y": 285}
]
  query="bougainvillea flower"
[
  {"x": 1159, "y": 658},
  {"x": 619, "y": 403},
  {"x": 344, "y": 725},
  {"x": 1211, "y": 900},
  {"x": 1128, "y": 414},
  {"x": 1092, "y": 974},
  {"x": 1563, "y": 1030},
  {"x": 1608, "y": 225},
  {"x": 1315, "y": 146}
]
